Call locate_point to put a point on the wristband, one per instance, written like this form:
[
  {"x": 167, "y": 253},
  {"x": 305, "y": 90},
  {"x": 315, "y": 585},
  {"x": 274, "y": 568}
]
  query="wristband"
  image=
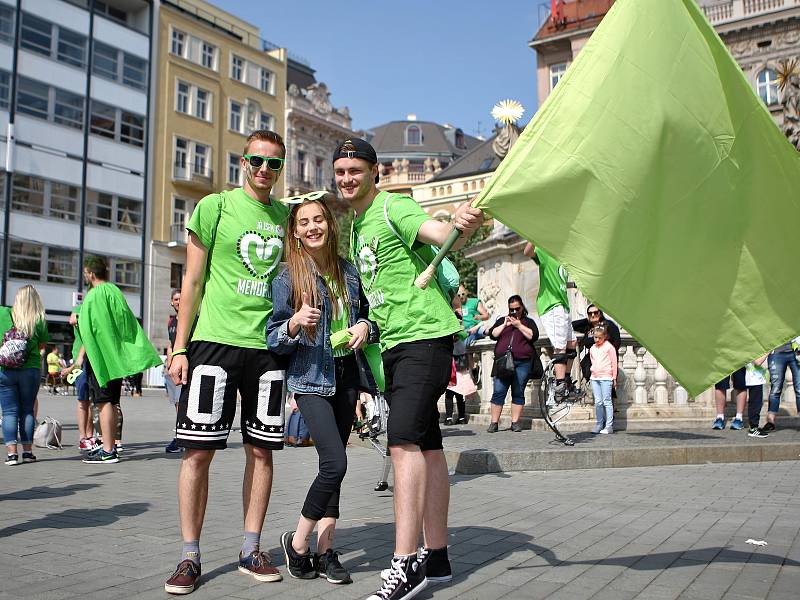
[{"x": 176, "y": 352}]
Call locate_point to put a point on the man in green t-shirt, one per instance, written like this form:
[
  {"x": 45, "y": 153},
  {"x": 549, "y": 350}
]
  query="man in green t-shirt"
[
  {"x": 235, "y": 246},
  {"x": 552, "y": 304},
  {"x": 417, "y": 327}
]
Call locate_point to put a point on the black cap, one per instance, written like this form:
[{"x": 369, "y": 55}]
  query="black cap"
[{"x": 356, "y": 148}]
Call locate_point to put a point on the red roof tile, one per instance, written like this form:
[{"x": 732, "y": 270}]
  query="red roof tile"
[{"x": 577, "y": 15}]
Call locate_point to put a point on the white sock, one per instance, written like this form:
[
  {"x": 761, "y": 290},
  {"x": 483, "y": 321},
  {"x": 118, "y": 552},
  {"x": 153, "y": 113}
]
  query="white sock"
[
  {"x": 739, "y": 416},
  {"x": 721, "y": 416}
]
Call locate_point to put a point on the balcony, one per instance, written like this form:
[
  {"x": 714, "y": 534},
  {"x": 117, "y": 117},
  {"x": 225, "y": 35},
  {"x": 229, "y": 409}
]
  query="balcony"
[
  {"x": 178, "y": 236},
  {"x": 728, "y": 11},
  {"x": 192, "y": 176}
]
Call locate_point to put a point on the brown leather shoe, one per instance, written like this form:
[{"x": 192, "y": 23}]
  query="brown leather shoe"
[
  {"x": 184, "y": 579},
  {"x": 259, "y": 565}
]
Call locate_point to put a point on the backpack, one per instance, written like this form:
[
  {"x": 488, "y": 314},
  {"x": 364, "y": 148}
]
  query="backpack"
[
  {"x": 447, "y": 276},
  {"x": 14, "y": 351}
]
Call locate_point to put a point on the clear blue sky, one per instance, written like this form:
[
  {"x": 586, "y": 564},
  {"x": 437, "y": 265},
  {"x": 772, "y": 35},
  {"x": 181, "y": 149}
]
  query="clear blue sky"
[{"x": 445, "y": 61}]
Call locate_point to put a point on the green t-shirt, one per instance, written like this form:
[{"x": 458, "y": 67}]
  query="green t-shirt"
[
  {"x": 244, "y": 238},
  {"x": 469, "y": 310},
  {"x": 115, "y": 343},
  {"x": 34, "y": 360},
  {"x": 76, "y": 345},
  {"x": 340, "y": 319},
  {"x": 552, "y": 283},
  {"x": 403, "y": 312}
]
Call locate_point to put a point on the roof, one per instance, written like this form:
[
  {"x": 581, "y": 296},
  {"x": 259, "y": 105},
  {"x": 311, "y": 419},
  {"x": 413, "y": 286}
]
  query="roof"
[
  {"x": 481, "y": 159},
  {"x": 577, "y": 15},
  {"x": 299, "y": 74},
  {"x": 436, "y": 139}
]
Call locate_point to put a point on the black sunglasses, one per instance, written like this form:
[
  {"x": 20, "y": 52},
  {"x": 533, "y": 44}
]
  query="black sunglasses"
[
  {"x": 274, "y": 163},
  {"x": 518, "y": 309},
  {"x": 593, "y": 312}
]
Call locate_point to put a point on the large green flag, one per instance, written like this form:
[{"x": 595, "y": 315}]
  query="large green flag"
[{"x": 656, "y": 175}]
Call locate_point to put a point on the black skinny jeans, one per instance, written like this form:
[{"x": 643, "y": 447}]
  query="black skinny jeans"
[{"x": 329, "y": 420}]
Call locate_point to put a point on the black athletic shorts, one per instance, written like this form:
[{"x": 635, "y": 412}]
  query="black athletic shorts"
[
  {"x": 739, "y": 381},
  {"x": 207, "y": 406},
  {"x": 110, "y": 392},
  {"x": 417, "y": 374}
]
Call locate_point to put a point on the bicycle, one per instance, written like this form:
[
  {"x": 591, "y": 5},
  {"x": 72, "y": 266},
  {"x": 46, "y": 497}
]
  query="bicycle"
[{"x": 556, "y": 406}]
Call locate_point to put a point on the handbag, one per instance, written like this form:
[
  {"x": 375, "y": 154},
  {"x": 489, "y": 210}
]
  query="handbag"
[
  {"x": 503, "y": 366},
  {"x": 48, "y": 434}
]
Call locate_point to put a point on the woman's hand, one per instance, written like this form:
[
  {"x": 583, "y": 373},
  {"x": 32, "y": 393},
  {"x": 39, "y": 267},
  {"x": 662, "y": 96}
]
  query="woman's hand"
[
  {"x": 360, "y": 333},
  {"x": 307, "y": 316}
]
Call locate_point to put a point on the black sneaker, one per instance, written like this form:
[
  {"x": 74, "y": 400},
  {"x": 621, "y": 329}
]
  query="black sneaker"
[
  {"x": 102, "y": 457},
  {"x": 13, "y": 459},
  {"x": 461, "y": 420},
  {"x": 28, "y": 457},
  {"x": 329, "y": 567},
  {"x": 768, "y": 427},
  {"x": 515, "y": 426},
  {"x": 493, "y": 427},
  {"x": 298, "y": 565},
  {"x": 405, "y": 579},
  {"x": 757, "y": 433},
  {"x": 448, "y": 421},
  {"x": 436, "y": 564},
  {"x": 172, "y": 447}
]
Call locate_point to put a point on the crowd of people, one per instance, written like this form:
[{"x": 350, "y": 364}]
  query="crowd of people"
[{"x": 267, "y": 307}]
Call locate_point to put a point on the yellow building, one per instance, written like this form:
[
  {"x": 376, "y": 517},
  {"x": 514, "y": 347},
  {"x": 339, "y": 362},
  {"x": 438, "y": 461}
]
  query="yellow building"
[{"x": 217, "y": 81}]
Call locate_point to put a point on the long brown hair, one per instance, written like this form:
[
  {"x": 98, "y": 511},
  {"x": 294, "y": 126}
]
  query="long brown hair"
[{"x": 303, "y": 270}]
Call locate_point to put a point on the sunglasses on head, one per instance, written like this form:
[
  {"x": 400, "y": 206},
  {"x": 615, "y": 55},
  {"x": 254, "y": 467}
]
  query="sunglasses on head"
[
  {"x": 274, "y": 163},
  {"x": 318, "y": 195}
]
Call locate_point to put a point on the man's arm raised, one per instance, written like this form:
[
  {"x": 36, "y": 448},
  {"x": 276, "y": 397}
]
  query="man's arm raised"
[{"x": 467, "y": 220}]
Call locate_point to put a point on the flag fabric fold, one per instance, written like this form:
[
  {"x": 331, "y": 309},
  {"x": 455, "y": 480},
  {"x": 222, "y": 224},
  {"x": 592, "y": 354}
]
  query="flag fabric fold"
[{"x": 657, "y": 176}]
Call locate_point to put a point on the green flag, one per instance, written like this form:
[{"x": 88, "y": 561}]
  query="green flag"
[
  {"x": 657, "y": 176},
  {"x": 115, "y": 344}
]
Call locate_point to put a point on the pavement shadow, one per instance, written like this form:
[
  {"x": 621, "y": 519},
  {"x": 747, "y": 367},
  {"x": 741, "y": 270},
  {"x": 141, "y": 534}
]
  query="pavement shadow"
[
  {"x": 674, "y": 435},
  {"x": 220, "y": 570},
  {"x": 46, "y": 492},
  {"x": 458, "y": 433},
  {"x": 78, "y": 518}
]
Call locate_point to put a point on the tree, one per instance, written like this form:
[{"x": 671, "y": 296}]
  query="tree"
[{"x": 467, "y": 269}]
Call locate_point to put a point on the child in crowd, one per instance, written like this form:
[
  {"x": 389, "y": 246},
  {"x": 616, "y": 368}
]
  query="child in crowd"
[
  {"x": 756, "y": 376},
  {"x": 604, "y": 378}
]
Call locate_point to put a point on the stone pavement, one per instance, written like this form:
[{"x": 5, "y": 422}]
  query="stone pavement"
[{"x": 70, "y": 530}]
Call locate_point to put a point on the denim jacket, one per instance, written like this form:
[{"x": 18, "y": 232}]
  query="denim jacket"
[{"x": 311, "y": 368}]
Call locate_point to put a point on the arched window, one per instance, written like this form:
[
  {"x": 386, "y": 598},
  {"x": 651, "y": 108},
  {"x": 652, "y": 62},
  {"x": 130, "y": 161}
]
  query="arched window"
[
  {"x": 413, "y": 136},
  {"x": 433, "y": 192},
  {"x": 449, "y": 189},
  {"x": 465, "y": 187},
  {"x": 767, "y": 86}
]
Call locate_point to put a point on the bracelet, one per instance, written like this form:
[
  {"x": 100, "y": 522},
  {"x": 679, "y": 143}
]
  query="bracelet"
[{"x": 176, "y": 352}]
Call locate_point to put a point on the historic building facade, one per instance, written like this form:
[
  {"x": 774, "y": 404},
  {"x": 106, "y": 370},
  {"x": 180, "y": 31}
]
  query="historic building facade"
[
  {"x": 217, "y": 81},
  {"x": 74, "y": 99},
  {"x": 314, "y": 128}
]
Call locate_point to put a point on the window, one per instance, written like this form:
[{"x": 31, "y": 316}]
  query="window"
[
  {"x": 175, "y": 276},
  {"x": 319, "y": 173},
  {"x": 25, "y": 260},
  {"x": 767, "y": 84},
  {"x": 131, "y": 129},
  {"x": 27, "y": 194},
  {"x": 62, "y": 266},
  {"x": 134, "y": 71},
  {"x": 43, "y": 197},
  {"x": 201, "y": 109},
  {"x": 201, "y": 154},
  {"x": 127, "y": 274},
  {"x": 237, "y": 68},
  {"x": 71, "y": 48},
  {"x": 191, "y": 159},
  {"x": 178, "y": 43},
  {"x": 105, "y": 61},
  {"x": 68, "y": 109},
  {"x": 129, "y": 215},
  {"x": 32, "y": 98},
  {"x": 99, "y": 208},
  {"x": 5, "y": 88},
  {"x": 103, "y": 119},
  {"x": 36, "y": 34},
  {"x": 266, "y": 81},
  {"x": 6, "y": 24},
  {"x": 556, "y": 73},
  {"x": 234, "y": 170},
  {"x": 181, "y": 211},
  {"x": 207, "y": 53},
  {"x": 110, "y": 11},
  {"x": 182, "y": 98},
  {"x": 413, "y": 136},
  {"x": 302, "y": 174},
  {"x": 235, "y": 123},
  {"x": 63, "y": 201},
  {"x": 181, "y": 157},
  {"x": 266, "y": 121}
]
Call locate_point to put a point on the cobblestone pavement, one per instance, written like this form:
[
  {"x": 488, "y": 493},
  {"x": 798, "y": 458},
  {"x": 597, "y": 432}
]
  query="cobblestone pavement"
[{"x": 71, "y": 530}]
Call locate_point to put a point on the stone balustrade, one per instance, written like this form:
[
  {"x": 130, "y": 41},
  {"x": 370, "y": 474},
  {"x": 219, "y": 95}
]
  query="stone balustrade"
[{"x": 734, "y": 10}]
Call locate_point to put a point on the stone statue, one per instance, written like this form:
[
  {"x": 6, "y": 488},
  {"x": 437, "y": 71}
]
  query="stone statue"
[
  {"x": 320, "y": 98},
  {"x": 505, "y": 139},
  {"x": 789, "y": 82},
  {"x": 294, "y": 90}
]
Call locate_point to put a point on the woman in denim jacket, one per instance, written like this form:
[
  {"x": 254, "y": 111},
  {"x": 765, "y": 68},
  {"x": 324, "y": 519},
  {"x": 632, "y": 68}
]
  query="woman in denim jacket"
[{"x": 315, "y": 295}]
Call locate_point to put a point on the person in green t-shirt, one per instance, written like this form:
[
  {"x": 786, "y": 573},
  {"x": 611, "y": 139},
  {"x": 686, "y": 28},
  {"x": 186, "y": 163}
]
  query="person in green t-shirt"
[
  {"x": 19, "y": 386},
  {"x": 417, "y": 327},
  {"x": 552, "y": 304},
  {"x": 236, "y": 241},
  {"x": 473, "y": 315},
  {"x": 85, "y": 424}
]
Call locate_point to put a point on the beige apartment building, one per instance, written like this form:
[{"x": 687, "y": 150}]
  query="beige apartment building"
[{"x": 217, "y": 81}]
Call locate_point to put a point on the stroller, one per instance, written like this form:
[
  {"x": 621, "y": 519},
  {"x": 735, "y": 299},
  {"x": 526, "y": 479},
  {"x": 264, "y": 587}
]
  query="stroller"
[{"x": 377, "y": 417}]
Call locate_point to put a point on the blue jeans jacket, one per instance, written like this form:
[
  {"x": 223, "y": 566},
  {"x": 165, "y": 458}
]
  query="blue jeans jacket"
[{"x": 311, "y": 368}]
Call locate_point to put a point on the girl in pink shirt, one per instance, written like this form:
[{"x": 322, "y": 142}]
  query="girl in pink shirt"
[{"x": 604, "y": 377}]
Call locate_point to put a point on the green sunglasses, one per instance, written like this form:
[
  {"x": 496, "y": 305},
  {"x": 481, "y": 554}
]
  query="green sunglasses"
[
  {"x": 274, "y": 163},
  {"x": 318, "y": 195}
]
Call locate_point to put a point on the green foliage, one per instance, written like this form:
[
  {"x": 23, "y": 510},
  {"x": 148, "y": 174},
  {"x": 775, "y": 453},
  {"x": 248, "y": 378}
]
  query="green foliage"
[
  {"x": 344, "y": 220},
  {"x": 467, "y": 269}
]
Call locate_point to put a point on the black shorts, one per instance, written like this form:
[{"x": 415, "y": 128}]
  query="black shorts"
[
  {"x": 417, "y": 374},
  {"x": 110, "y": 392},
  {"x": 739, "y": 382},
  {"x": 207, "y": 406}
]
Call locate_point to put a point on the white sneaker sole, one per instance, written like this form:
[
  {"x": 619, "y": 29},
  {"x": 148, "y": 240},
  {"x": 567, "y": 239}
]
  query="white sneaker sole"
[
  {"x": 264, "y": 578},
  {"x": 179, "y": 590}
]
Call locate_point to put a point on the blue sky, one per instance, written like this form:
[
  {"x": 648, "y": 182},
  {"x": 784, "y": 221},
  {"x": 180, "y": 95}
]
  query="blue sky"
[{"x": 445, "y": 61}]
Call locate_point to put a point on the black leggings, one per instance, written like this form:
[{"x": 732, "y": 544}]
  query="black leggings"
[
  {"x": 329, "y": 420},
  {"x": 448, "y": 404}
]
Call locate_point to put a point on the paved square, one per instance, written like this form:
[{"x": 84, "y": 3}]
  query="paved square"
[{"x": 71, "y": 530}]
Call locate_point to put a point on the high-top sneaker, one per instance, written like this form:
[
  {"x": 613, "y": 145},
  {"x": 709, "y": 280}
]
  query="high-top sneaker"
[
  {"x": 436, "y": 564},
  {"x": 405, "y": 579}
]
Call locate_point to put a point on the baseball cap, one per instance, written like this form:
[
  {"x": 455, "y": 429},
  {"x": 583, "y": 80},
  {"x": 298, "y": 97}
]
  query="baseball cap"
[{"x": 355, "y": 148}]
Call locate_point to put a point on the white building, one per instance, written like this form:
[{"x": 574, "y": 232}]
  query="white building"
[{"x": 73, "y": 103}]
